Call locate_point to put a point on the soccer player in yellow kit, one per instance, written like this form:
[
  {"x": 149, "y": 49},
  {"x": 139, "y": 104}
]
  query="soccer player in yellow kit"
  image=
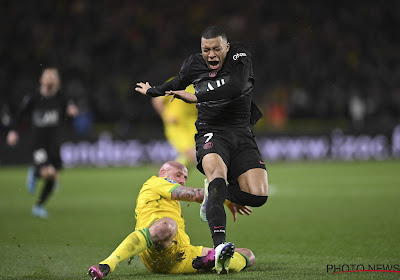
[
  {"x": 178, "y": 119},
  {"x": 160, "y": 239}
]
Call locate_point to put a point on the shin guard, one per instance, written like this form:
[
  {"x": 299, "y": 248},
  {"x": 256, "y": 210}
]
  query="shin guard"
[{"x": 215, "y": 210}]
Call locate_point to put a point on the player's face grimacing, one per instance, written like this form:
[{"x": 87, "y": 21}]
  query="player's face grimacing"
[
  {"x": 179, "y": 175},
  {"x": 214, "y": 52}
]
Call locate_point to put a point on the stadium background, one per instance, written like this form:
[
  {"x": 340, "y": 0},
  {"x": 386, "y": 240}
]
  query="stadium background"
[
  {"x": 319, "y": 66},
  {"x": 316, "y": 65}
]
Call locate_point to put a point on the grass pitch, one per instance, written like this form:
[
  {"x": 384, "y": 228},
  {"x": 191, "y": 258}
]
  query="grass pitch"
[{"x": 318, "y": 214}]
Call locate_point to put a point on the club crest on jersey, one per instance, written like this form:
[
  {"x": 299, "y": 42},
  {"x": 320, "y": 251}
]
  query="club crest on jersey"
[
  {"x": 212, "y": 74},
  {"x": 170, "y": 180},
  {"x": 238, "y": 55},
  {"x": 208, "y": 145}
]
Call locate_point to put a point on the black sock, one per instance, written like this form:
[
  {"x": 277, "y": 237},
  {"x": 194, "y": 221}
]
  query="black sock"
[
  {"x": 46, "y": 191},
  {"x": 215, "y": 210},
  {"x": 104, "y": 268}
]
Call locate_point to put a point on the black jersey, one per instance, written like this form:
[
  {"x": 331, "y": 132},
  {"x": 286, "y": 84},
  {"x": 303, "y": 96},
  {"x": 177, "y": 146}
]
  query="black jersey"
[
  {"x": 224, "y": 98},
  {"x": 46, "y": 115}
]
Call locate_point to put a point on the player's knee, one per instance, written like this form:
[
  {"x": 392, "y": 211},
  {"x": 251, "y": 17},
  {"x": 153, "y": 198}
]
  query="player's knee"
[
  {"x": 217, "y": 190},
  {"x": 244, "y": 198},
  {"x": 251, "y": 257},
  {"x": 48, "y": 172},
  {"x": 257, "y": 200},
  {"x": 167, "y": 229},
  {"x": 163, "y": 230}
]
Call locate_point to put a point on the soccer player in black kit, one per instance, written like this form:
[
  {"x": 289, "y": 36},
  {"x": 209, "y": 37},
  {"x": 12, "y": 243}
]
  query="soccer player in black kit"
[
  {"x": 226, "y": 150},
  {"x": 46, "y": 109}
]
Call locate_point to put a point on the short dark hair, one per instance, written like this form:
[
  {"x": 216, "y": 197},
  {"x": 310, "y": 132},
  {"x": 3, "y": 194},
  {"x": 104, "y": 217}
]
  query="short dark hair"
[{"x": 213, "y": 32}]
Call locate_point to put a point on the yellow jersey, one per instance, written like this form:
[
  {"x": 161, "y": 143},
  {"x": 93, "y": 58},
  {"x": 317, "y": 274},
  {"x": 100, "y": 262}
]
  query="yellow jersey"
[{"x": 154, "y": 202}]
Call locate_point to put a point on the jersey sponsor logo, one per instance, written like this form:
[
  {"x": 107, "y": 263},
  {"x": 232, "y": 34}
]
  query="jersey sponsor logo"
[
  {"x": 217, "y": 83},
  {"x": 170, "y": 180},
  {"x": 46, "y": 118},
  {"x": 208, "y": 145},
  {"x": 238, "y": 55}
]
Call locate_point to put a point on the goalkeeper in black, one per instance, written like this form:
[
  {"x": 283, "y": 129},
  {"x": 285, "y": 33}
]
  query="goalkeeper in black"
[{"x": 226, "y": 149}]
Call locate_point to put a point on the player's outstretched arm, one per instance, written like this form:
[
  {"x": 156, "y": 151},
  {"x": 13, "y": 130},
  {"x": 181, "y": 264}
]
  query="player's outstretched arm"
[
  {"x": 174, "y": 84},
  {"x": 183, "y": 95},
  {"x": 183, "y": 193}
]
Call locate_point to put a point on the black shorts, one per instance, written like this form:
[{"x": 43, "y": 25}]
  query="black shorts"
[
  {"x": 237, "y": 148},
  {"x": 46, "y": 156}
]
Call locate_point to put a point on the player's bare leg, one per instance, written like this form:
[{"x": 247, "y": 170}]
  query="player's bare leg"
[
  {"x": 254, "y": 181},
  {"x": 49, "y": 174},
  {"x": 251, "y": 188},
  {"x": 160, "y": 234}
]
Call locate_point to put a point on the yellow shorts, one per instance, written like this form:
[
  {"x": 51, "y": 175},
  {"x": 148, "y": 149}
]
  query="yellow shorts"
[{"x": 177, "y": 258}]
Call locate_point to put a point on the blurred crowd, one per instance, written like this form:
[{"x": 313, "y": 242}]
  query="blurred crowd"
[{"x": 312, "y": 60}]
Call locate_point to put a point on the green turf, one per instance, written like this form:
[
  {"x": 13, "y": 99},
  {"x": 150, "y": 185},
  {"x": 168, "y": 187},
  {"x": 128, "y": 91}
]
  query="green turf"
[{"x": 318, "y": 213}]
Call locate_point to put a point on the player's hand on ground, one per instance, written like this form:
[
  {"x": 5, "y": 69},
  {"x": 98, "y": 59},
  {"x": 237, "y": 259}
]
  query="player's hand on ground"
[
  {"x": 12, "y": 138},
  {"x": 142, "y": 87},
  {"x": 183, "y": 95},
  {"x": 236, "y": 208}
]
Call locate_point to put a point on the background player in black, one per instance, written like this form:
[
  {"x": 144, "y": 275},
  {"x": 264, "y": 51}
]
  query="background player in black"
[
  {"x": 226, "y": 149},
  {"x": 46, "y": 109}
]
